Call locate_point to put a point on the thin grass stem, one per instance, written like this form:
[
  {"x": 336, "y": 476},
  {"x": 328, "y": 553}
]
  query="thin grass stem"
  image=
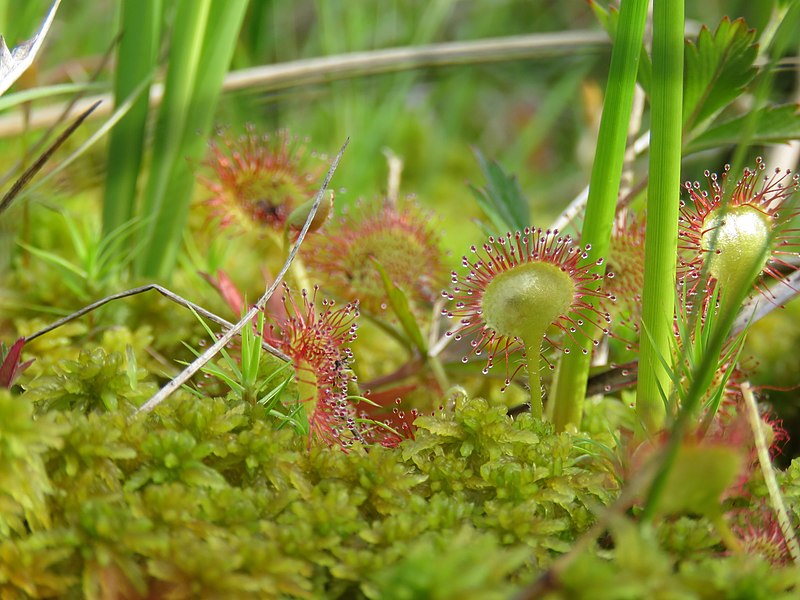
[
  {"x": 569, "y": 389},
  {"x": 778, "y": 505},
  {"x": 661, "y": 236},
  {"x": 325, "y": 69},
  {"x": 140, "y": 24}
]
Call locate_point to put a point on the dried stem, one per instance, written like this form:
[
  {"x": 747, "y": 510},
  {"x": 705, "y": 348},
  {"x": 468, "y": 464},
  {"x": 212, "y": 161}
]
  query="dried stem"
[
  {"x": 395, "y": 164},
  {"x": 139, "y": 290},
  {"x": 778, "y": 505},
  {"x": 29, "y": 173},
  {"x": 358, "y": 64}
]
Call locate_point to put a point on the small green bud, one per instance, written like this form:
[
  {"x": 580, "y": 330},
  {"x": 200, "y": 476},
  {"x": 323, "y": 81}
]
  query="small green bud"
[
  {"x": 738, "y": 243},
  {"x": 298, "y": 216}
]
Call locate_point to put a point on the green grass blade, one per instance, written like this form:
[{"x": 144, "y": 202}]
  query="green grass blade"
[
  {"x": 566, "y": 397},
  {"x": 49, "y": 91},
  {"x": 56, "y": 260},
  {"x": 205, "y": 49},
  {"x": 137, "y": 54},
  {"x": 399, "y": 303},
  {"x": 501, "y": 199},
  {"x": 661, "y": 237},
  {"x": 184, "y": 63}
]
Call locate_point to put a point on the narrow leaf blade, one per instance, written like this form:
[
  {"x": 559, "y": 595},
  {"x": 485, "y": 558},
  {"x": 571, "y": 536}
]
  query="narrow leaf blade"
[
  {"x": 501, "y": 199},
  {"x": 773, "y": 125},
  {"x": 399, "y": 304}
]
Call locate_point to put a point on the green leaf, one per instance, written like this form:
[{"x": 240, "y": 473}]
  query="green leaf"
[
  {"x": 502, "y": 198},
  {"x": 699, "y": 477},
  {"x": 440, "y": 428},
  {"x": 137, "y": 57},
  {"x": 773, "y": 125},
  {"x": 49, "y": 91},
  {"x": 399, "y": 304},
  {"x": 55, "y": 260},
  {"x": 203, "y": 40},
  {"x": 608, "y": 19},
  {"x": 718, "y": 66},
  {"x": 604, "y": 16}
]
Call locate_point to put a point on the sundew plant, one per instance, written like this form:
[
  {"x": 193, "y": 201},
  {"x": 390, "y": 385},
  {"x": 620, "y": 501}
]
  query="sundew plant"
[{"x": 399, "y": 300}]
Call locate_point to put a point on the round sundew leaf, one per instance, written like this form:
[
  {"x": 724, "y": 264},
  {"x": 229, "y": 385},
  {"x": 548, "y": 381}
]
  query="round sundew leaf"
[
  {"x": 737, "y": 241},
  {"x": 525, "y": 300}
]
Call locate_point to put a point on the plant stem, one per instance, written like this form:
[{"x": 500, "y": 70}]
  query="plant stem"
[
  {"x": 563, "y": 413},
  {"x": 767, "y": 470},
  {"x": 532, "y": 350},
  {"x": 700, "y": 378},
  {"x": 569, "y": 388},
  {"x": 438, "y": 372},
  {"x": 661, "y": 236}
]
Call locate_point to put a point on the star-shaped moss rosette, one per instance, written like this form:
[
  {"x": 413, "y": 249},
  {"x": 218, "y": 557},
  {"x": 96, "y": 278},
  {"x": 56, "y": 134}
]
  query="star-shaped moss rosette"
[
  {"x": 731, "y": 236},
  {"x": 517, "y": 288},
  {"x": 256, "y": 181},
  {"x": 400, "y": 237}
]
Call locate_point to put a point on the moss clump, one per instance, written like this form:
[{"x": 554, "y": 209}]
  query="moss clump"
[
  {"x": 97, "y": 381},
  {"x": 639, "y": 568},
  {"x": 206, "y": 497},
  {"x": 210, "y": 497}
]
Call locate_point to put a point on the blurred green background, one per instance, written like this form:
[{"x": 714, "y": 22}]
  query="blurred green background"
[{"x": 536, "y": 116}]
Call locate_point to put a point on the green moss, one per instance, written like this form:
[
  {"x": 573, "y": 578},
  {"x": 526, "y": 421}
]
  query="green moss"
[
  {"x": 97, "y": 381},
  {"x": 207, "y": 498}
]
